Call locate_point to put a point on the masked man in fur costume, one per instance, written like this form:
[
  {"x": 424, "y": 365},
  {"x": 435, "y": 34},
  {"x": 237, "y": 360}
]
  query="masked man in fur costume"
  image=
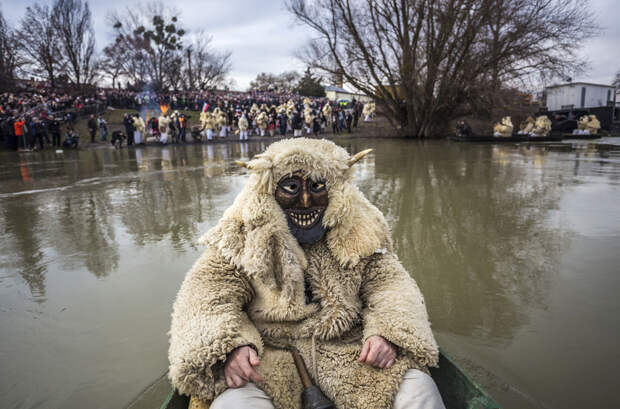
[{"x": 302, "y": 259}]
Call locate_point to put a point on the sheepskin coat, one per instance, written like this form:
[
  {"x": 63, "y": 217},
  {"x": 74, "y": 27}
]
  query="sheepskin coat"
[{"x": 248, "y": 288}]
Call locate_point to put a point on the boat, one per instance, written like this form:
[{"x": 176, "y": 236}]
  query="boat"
[
  {"x": 582, "y": 136},
  {"x": 457, "y": 389},
  {"x": 502, "y": 139}
]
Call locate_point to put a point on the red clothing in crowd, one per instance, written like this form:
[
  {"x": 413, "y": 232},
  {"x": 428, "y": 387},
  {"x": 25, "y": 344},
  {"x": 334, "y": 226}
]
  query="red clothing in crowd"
[{"x": 19, "y": 127}]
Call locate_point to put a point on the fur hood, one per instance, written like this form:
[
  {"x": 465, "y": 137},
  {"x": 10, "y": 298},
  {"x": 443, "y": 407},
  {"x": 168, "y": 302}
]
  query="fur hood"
[{"x": 253, "y": 233}]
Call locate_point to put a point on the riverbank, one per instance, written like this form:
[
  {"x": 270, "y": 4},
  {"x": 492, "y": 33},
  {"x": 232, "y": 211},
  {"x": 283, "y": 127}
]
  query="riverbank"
[{"x": 378, "y": 127}]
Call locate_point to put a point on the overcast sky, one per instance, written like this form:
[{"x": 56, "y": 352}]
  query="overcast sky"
[{"x": 263, "y": 37}]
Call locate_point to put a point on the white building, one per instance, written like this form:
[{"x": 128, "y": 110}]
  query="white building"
[
  {"x": 334, "y": 93},
  {"x": 579, "y": 95}
]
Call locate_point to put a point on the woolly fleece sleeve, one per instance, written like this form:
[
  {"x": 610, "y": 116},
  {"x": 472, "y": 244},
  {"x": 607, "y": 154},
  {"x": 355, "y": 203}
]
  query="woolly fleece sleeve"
[
  {"x": 208, "y": 322},
  {"x": 394, "y": 308}
]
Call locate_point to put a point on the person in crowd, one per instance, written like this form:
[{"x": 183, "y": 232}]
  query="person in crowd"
[
  {"x": 357, "y": 110},
  {"x": 335, "y": 128},
  {"x": 117, "y": 139},
  {"x": 271, "y": 126},
  {"x": 92, "y": 128},
  {"x": 283, "y": 123},
  {"x": 129, "y": 129},
  {"x": 38, "y": 130},
  {"x": 20, "y": 132},
  {"x": 8, "y": 131},
  {"x": 54, "y": 129},
  {"x": 316, "y": 125},
  {"x": 463, "y": 129},
  {"x": 139, "y": 127},
  {"x": 182, "y": 125},
  {"x": 153, "y": 125},
  {"x": 243, "y": 127},
  {"x": 349, "y": 120},
  {"x": 72, "y": 139},
  {"x": 297, "y": 124},
  {"x": 103, "y": 128},
  {"x": 341, "y": 119}
]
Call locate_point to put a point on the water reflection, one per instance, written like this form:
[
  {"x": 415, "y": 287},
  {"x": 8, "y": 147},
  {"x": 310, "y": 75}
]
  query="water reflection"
[
  {"x": 471, "y": 226},
  {"x": 23, "y": 246},
  {"x": 70, "y": 209},
  {"x": 84, "y": 230},
  {"x": 484, "y": 230}
]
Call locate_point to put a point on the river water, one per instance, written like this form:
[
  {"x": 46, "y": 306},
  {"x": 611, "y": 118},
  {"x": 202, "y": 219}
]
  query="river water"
[{"x": 516, "y": 248}]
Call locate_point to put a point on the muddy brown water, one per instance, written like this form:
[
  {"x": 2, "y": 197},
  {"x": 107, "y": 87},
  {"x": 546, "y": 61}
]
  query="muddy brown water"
[{"x": 516, "y": 248}]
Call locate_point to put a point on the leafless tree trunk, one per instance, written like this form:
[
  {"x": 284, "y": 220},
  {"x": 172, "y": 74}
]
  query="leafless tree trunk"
[
  {"x": 72, "y": 22},
  {"x": 9, "y": 57},
  {"x": 113, "y": 63},
  {"x": 204, "y": 67},
  {"x": 39, "y": 43},
  {"x": 427, "y": 62}
]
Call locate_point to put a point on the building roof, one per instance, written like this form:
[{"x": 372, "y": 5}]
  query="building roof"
[
  {"x": 579, "y": 83},
  {"x": 337, "y": 89}
]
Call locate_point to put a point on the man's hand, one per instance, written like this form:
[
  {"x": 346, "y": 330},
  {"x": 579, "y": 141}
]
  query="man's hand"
[
  {"x": 379, "y": 352},
  {"x": 239, "y": 367}
]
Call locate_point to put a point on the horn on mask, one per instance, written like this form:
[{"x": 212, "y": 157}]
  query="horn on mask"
[{"x": 358, "y": 156}]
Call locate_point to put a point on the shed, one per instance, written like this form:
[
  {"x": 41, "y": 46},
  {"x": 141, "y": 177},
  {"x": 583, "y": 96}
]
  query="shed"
[
  {"x": 579, "y": 95},
  {"x": 334, "y": 93}
]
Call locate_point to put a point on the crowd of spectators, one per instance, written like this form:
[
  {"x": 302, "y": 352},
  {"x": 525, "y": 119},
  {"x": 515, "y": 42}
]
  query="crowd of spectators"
[{"x": 36, "y": 116}]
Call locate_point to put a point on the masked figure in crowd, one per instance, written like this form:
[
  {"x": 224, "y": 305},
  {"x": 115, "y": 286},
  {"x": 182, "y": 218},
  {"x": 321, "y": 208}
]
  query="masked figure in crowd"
[
  {"x": 164, "y": 124},
  {"x": 139, "y": 126},
  {"x": 261, "y": 121},
  {"x": 243, "y": 127},
  {"x": 302, "y": 260}
]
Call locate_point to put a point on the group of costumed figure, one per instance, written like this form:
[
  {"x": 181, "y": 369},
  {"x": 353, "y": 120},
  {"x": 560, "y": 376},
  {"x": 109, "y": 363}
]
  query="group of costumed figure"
[
  {"x": 213, "y": 123},
  {"x": 164, "y": 128},
  {"x": 539, "y": 127},
  {"x": 369, "y": 111},
  {"x": 307, "y": 117},
  {"x": 587, "y": 125}
]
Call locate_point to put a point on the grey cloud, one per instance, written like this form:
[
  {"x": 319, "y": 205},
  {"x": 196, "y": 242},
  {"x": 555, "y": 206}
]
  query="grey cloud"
[{"x": 263, "y": 37}]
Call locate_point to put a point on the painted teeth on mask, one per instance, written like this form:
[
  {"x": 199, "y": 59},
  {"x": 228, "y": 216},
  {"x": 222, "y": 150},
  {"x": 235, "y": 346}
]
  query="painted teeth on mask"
[{"x": 305, "y": 219}]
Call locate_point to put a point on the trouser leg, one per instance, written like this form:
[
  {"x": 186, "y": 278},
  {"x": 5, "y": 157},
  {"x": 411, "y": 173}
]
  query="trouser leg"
[
  {"x": 418, "y": 391},
  {"x": 248, "y": 396}
]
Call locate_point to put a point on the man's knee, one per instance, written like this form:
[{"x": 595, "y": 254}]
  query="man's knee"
[
  {"x": 418, "y": 391},
  {"x": 248, "y": 396}
]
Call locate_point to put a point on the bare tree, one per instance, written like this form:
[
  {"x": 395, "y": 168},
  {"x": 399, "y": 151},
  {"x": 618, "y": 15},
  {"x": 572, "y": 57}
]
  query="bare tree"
[
  {"x": 8, "y": 54},
  {"x": 427, "y": 62},
  {"x": 617, "y": 81},
  {"x": 284, "y": 82},
  {"x": 73, "y": 25},
  {"x": 129, "y": 47},
  {"x": 39, "y": 44},
  {"x": 152, "y": 38},
  {"x": 113, "y": 62},
  {"x": 205, "y": 68}
]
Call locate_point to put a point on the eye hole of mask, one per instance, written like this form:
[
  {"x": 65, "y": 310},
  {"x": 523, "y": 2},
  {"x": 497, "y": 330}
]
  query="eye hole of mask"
[
  {"x": 290, "y": 186},
  {"x": 317, "y": 186}
]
